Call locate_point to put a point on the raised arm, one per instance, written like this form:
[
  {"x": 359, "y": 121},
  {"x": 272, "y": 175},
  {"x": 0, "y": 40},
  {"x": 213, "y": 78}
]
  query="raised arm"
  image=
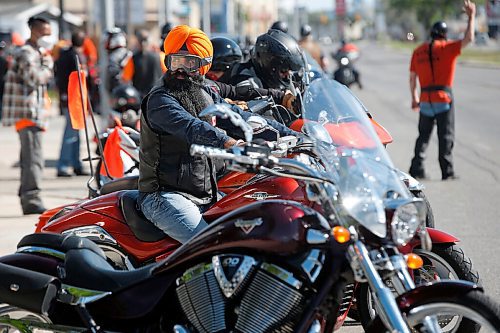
[{"x": 469, "y": 9}]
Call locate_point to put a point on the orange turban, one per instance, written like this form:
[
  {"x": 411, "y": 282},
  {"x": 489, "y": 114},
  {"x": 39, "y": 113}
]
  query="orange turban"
[{"x": 196, "y": 42}]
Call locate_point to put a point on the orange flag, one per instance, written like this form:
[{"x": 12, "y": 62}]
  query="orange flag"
[
  {"x": 112, "y": 156},
  {"x": 75, "y": 100}
]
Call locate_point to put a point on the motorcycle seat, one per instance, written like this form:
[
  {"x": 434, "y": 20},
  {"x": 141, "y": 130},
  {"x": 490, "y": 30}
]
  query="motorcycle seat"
[
  {"x": 141, "y": 227},
  {"x": 86, "y": 269},
  {"x": 125, "y": 183},
  {"x": 58, "y": 242}
]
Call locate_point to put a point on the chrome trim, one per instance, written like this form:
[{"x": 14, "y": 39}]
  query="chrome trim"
[
  {"x": 94, "y": 233},
  {"x": 384, "y": 298},
  {"x": 315, "y": 327},
  {"x": 282, "y": 274},
  {"x": 314, "y": 237},
  {"x": 411, "y": 183},
  {"x": 42, "y": 250},
  {"x": 313, "y": 265},
  {"x": 180, "y": 329},
  {"x": 229, "y": 287},
  {"x": 194, "y": 272},
  {"x": 259, "y": 196},
  {"x": 248, "y": 225},
  {"x": 78, "y": 296}
]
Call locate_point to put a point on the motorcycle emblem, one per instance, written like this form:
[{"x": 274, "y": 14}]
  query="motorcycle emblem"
[
  {"x": 230, "y": 271},
  {"x": 248, "y": 225},
  {"x": 260, "y": 196}
]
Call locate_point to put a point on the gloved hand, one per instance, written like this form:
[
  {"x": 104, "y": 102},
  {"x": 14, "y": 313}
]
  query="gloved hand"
[
  {"x": 288, "y": 100},
  {"x": 242, "y": 104}
]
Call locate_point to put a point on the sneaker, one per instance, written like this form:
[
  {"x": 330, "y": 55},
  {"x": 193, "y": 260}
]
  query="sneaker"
[{"x": 81, "y": 172}]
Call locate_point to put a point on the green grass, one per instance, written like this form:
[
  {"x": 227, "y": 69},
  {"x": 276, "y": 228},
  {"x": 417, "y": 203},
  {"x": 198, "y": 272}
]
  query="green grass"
[{"x": 476, "y": 55}]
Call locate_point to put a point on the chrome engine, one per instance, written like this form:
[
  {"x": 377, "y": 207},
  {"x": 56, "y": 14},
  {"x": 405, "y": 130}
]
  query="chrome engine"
[{"x": 236, "y": 293}]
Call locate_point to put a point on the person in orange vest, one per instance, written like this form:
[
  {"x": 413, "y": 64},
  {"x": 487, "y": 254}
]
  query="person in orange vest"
[
  {"x": 143, "y": 68},
  {"x": 25, "y": 105},
  {"x": 433, "y": 63}
]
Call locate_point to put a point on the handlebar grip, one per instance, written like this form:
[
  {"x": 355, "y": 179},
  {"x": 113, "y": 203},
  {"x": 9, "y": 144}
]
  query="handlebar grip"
[{"x": 208, "y": 151}]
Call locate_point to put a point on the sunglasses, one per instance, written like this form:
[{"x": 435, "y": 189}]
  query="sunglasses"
[{"x": 188, "y": 62}]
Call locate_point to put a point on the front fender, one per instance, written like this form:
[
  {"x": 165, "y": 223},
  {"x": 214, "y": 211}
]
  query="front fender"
[
  {"x": 443, "y": 289},
  {"x": 437, "y": 237},
  {"x": 424, "y": 294}
]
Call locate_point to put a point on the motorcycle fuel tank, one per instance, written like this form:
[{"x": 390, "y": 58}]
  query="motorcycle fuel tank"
[{"x": 276, "y": 227}]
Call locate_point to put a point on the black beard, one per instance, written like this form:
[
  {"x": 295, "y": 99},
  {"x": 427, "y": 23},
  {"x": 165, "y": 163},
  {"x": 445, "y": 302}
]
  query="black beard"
[{"x": 188, "y": 92}]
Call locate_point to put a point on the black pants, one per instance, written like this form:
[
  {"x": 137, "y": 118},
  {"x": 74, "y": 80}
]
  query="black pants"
[{"x": 446, "y": 135}]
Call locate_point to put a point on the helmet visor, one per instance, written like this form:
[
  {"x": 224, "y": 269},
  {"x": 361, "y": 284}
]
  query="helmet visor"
[{"x": 188, "y": 62}]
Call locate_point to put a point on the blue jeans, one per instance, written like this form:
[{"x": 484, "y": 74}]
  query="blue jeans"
[
  {"x": 176, "y": 215},
  {"x": 70, "y": 147}
]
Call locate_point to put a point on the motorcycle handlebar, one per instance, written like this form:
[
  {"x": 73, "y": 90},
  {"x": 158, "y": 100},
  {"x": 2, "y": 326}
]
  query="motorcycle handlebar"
[{"x": 224, "y": 154}]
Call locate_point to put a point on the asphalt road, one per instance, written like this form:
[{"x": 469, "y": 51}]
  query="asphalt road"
[{"x": 467, "y": 208}]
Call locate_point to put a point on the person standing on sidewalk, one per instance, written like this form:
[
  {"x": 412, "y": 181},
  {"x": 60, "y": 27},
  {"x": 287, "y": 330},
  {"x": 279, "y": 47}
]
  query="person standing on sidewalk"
[
  {"x": 70, "y": 147},
  {"x": 433, "y": 64},
  {"x": 26, "y": 105},
  {"x": 143, "y": 69}
]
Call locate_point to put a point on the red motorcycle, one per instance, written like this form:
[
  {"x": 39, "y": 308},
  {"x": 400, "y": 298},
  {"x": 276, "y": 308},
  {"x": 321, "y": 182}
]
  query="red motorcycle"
[
  {"x": 274, "y": 265},
  {"x": 130, "y": 241}
]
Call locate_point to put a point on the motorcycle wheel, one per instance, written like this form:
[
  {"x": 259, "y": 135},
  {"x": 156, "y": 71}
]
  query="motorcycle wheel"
[
  {"x": 10, "y": 314},
  {"x": 445, "y": 261},
  {"x": 429, "y": 218},
  {"x": 468, "y": 313}
]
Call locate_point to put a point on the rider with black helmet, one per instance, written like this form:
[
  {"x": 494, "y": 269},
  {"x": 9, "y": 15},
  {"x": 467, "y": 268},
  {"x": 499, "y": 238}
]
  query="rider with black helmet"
[
  {"x": 275, "y": 55},
  {"x": 226, "y": 54}
]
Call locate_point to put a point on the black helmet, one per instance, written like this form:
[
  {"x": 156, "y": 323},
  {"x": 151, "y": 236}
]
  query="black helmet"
[
  {"x": 226, "y": 54},
  {"x": 305, "y": 30},
  {"x": 280, "y": 25},
  {"x": 125, "y": 97},
  {"x": 276, "y": 51},
  {"x": 439, "y": 30}
]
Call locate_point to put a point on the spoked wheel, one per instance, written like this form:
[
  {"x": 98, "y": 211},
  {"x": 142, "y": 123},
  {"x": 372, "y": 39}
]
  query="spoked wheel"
[
  {"x": 14, "y": 320},
  {"x": 467, "y": 313},
  {"x": 445, "y": 261}
]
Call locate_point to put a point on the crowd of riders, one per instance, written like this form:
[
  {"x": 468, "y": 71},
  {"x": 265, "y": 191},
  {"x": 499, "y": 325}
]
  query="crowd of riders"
[{"x": 239, "y": 72}]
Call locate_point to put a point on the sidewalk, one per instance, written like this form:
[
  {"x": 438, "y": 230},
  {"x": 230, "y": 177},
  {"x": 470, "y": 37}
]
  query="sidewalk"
[{"x": 55, "y": 191}]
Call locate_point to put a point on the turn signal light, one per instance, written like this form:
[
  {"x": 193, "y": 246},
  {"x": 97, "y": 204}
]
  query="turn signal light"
[
  {"x": 341, "y": 234},
  {"x": 414, "y": 261}
]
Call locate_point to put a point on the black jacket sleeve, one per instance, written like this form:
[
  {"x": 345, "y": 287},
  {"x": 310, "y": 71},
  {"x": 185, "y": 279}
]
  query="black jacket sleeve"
[{"x": 247, "y": 93}]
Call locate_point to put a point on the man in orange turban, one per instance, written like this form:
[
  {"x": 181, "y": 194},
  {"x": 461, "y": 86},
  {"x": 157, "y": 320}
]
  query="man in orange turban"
[{"x": 175, "y": 186}]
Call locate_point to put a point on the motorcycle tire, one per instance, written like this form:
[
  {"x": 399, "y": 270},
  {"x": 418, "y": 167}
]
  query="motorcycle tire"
[
  {"x": 429, "y": 218},
  {"x": 476, "y": 302},
  {"x": 442, "y": 258}
]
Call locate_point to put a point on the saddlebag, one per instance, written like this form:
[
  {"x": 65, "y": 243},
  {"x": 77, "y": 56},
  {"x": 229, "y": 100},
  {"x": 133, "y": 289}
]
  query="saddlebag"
[{"x": 27, "y": 289}]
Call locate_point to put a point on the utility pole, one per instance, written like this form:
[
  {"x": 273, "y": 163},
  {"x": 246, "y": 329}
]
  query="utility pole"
[
  {"x": 107, "y": 23},
  {"x": 61, "y": 19},
  {"x": 206, "y": 16}
]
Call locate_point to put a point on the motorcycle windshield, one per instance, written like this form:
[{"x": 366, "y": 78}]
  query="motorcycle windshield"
[{"x": 352, "y": 154}]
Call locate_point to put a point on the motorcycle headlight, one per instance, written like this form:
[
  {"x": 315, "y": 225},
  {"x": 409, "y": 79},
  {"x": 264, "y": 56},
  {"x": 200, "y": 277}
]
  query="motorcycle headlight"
[{"x": 406, "y": 220}]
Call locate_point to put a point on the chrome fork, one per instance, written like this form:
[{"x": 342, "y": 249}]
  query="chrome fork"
[{"x": 364, "y": 267}]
